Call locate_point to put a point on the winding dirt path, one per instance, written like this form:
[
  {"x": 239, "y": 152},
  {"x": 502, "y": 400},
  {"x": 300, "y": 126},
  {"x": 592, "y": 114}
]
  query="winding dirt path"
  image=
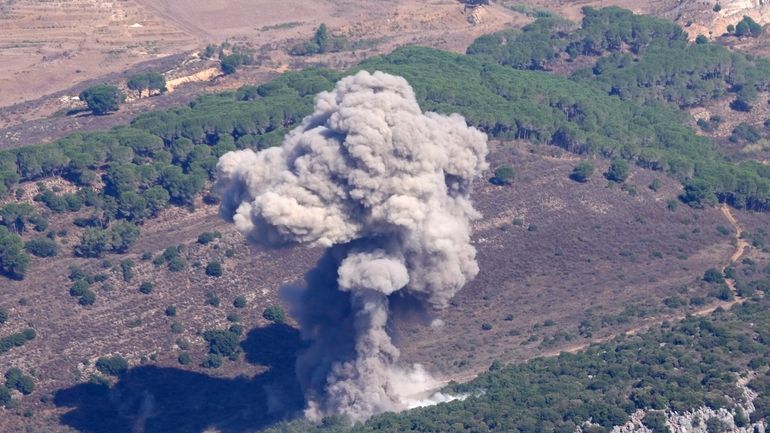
[
  {"x": 742, "y": 244},
  {"x": 740, "y": 249}
]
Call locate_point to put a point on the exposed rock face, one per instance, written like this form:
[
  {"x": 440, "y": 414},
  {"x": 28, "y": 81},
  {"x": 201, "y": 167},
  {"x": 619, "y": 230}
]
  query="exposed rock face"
[
  {"x": 696, "y": 421},
  {"x": 700, "y": 18},
  {"x": 474, "y": 14},
  {"x": 691, "y": 422}
]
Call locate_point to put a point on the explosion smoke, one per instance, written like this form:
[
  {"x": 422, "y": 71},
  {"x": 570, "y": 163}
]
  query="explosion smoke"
[{"x": 386, "y": 188}]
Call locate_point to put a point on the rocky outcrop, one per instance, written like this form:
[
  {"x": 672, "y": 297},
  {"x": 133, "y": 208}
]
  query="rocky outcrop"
[
  {"x": 700, "y": 17},
  {"x": 698, "y": 420}
]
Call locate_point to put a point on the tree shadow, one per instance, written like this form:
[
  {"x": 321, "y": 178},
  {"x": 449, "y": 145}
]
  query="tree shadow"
[{"x": 153, "y": 399}]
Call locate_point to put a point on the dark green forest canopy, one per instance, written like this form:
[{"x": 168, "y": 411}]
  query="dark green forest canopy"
[
  {"x": 644, "y": 59},
  {"x": 177, "y": 149}
]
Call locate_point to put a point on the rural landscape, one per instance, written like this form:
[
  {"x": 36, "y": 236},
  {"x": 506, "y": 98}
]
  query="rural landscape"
[{"x": 333, "y": 216}]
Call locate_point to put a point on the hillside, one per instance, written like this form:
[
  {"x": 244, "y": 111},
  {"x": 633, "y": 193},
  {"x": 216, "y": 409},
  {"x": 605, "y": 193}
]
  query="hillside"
[{"x": 146, "y": 305}]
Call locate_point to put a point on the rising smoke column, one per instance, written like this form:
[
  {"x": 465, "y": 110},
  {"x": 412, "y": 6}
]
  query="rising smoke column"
[{"x": 386, "y": 188}]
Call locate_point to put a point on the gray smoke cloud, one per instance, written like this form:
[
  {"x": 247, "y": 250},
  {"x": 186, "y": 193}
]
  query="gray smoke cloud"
[{"x": 386, "y": 188}]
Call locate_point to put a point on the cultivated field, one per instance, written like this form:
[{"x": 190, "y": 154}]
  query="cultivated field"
[{"x": 47, "y": 46}]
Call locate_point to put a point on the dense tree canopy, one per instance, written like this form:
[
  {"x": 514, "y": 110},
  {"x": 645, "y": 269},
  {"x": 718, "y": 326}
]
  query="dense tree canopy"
[
  {"x": 102, "y": 99},
  {"x": 147, "y": 81},
  {"x": 13, "y": 259}
]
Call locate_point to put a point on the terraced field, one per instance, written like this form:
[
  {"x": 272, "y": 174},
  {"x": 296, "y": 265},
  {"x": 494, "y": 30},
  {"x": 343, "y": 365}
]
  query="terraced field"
[{"x": 47, "y": 46}]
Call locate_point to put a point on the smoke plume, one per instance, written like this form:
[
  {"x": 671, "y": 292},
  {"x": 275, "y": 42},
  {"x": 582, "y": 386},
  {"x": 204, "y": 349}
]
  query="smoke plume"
[{"x": 385, "y": 187}]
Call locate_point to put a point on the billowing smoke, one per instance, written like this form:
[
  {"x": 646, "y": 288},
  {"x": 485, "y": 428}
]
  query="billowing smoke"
[{"x": 386, "y": 188}]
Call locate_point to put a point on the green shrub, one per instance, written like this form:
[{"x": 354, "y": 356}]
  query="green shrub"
[
  {"x": 206, "y": 237},
  {"x": 214, "y": 269},
  {"x": 722, "y": 292},
  {"x": 274, "y": 313},
  {"x": 16, "y": 340},
  {"x": 87, "y": 298},
  {"x": 223, "y": 343},
  {"x": 504, "y": 175},
  {"x": 716, "y": 425},
  {"x": 713, "y": 275},
  {"x": 674, "y": 302},
  {"x": 102, "y": 99},
  {"x": 127, "y": 270},
  {"x": 177, "y": 264},
  {"x": 93, "y": 243},
  {"x": 656, "y": 184},
  {"x": 212, "y": 361},
  {"x": 582, "y": 171},
  {"x": 79, "y": 288},
  {"x": 5, "y": 397},
  {"x": 14, "y": 261},
  {"x": 618, "y": 170},
  {"x": 40, "y": 224},
  {"x": 113, "y": 365},
  {"x": 177, "y": 328},
  {"x": 122, "y": 236},
  {"x": 239, "y": 302},
  {"x": 170, "y": 311},
  {"x": 184, "y": 358},
  {"x": 42, "y": 247},
  {"x": 656, "y": 421},
  {"x": 146, "y": 287},
  {"x": 231, "y": 62},
  {"x": 236, "y": 329},
  {"x": 15, "y": 379},
  {"x": 212, "y": 299},
  {"x": 740, "y": 419},
  {"x": 182, "y": 343}
]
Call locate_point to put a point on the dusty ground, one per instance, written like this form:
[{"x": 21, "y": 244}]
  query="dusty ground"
[
  {"x": 47, "y": 46},
  {"x": 52, "y": 49}
]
